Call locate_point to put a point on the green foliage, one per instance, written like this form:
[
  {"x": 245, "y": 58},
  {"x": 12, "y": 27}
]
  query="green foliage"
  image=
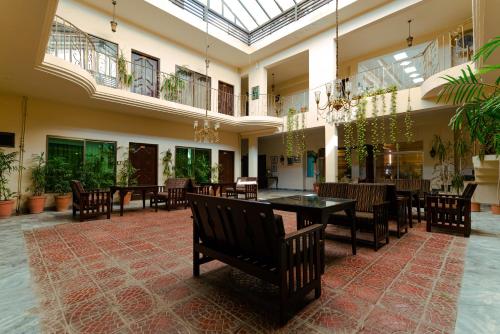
[
  {"x": 96, "y": 173},
  {"x": 127, "y": 174},
  {"x": 393, "y": 124},
  {"x": 201, "y": 168},
  {"x": 168, "y": 167},
  {"x": 295, "y": 138},
  {"x": 172, "y": 87},
  {"x": 457, "y": 182},
  {"x": 216, "y": 170},
  {"x": 7, "y": 166},
  {"x": 348, "y": 141},
  {"x": 59, "y": 175},
  {"x": 479, "y": 102},
  {"x": 361, "y": 130},
  {"x": 124, "y": 77},
  {"x": 38, "y": 175}
]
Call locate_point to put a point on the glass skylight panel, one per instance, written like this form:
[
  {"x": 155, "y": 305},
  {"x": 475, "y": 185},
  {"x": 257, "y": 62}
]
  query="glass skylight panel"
[
  {"x": 410, "y": 69},
  {"x": 241, "y": 14},
  {"x": 270, "y": 7},
  {"x": 285, "y": 4},
  {"x": 216, "y": 5},
  {"x": 418, "y": 80},
  {"x": 256, "y": 12},
  {"x": 405, "y": 63},
  {"x": 400, "y": 56},
  {"x": 414, "y": 75}
]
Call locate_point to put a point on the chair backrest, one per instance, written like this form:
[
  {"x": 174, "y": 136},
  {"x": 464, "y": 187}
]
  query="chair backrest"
[
  {"x": 172, "y": 183},
  {"x": 469, "y": 191},
  {"x": 331, "y": 189},
  {"x": 245, "y": 180},
  {"x": 238, "y": 227},
  {"x": 76, "y": 189}
]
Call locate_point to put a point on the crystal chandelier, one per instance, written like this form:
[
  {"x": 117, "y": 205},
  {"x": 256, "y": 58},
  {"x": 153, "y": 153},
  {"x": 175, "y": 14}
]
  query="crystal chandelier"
[
  {"x": 206, "y": 133},
  {"x": 340, "y": 106}
]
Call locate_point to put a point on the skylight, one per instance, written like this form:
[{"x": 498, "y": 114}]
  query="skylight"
[
  {"x": 400, "y": 56},
  {"x": 410, "y": 69},
  {"x": 249, "y": 14}
]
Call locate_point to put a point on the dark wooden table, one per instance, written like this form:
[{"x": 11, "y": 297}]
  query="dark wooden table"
[
  {"x": 412, "y": 195},
  {"x": 123, "y": 190},
  {"x": 316, "y": 210}
]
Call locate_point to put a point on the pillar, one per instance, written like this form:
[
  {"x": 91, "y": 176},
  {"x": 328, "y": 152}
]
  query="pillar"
[
  {"x": 253, "y": 156},
  {"x": 257, "y": 77},
  {"x": 331, "y": 153}
]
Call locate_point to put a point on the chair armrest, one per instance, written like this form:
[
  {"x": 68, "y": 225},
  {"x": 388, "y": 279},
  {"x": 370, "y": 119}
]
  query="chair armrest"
[
  {"x": 381, "y": 210},
  {"x": 249, "y": 188},
  {"x": 303, "y": 231}
]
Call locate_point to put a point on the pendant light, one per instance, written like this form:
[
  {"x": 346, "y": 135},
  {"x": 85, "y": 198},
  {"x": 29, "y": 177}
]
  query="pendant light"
[{"x": 113, "y": 22}]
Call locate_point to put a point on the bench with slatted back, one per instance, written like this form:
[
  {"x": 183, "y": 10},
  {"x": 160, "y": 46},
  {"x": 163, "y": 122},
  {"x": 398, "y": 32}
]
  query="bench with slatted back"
[{"x": 248, "y": 236}]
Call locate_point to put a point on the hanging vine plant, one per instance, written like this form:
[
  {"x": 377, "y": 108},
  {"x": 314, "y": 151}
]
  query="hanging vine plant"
[
  {"x": 295, "y": 137},
  {"x": 374, "y": 123},
  {"x": 348, "y": 142},
  {"x": 289, "y": 137},
  {"x": 361, "y": 130},
  {"x": 408, "y": 121},
  {"x": 393, "y": 116}
]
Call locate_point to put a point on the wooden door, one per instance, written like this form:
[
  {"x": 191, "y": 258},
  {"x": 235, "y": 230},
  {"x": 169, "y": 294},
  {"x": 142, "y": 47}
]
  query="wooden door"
[
  {"x": 262, "y": 171},
  {"x": 226, "y": 161},
  {"x": 144, "y": 157},
  {"x": 226, "y": 98},
  {"x": 145, "y": 70}
]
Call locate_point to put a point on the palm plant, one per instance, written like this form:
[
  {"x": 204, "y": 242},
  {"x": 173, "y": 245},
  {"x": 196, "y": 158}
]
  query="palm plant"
[
  {"x": 7, "y": 166},
  {"x": 479, "y": 101},
  {"x": 59, "y": 175},
  {"x": 38, "y": 175},
  {"x": 124, "y": 77}
]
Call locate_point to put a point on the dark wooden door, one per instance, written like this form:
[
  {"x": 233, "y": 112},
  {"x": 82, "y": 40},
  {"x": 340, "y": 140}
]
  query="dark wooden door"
[
  {"x": 226, "y": 161},
  {"x": 262, "y": 171},
  {"x": 145, "y": 70},
  {"x": 144, "y": 157},
  {"x": 226, "y": 98},
  {"x": 244, "y": 166}
]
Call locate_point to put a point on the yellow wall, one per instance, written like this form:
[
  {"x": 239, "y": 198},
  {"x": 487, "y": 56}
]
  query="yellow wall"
[{"x": 47, "y": 118}]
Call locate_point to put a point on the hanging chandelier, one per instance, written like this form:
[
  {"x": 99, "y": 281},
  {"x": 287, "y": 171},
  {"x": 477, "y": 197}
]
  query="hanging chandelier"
[
  {"x": 340, "y": 106},
  {"x": 113, "y": 22},
  {"x": 206, "y": 133}
]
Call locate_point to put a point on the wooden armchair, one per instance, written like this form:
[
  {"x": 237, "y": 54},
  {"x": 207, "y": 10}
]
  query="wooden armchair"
[
  {"x": 450, "y": 212},
  {"x": 90, "y": 204},
  {"x": 246, "y": 186},
  {"x": 173, "y": 193}
]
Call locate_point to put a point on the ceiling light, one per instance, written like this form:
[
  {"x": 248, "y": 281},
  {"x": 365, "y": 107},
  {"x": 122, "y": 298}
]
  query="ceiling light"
[
  {"x": 410, "y": 69},
  {"x": 113, "y": 21},
  {"x": 405, "y": 63},
  {"x": 400, "y": 56},
  {"x": 417, "y": 80},
  {"x": 414, "y": 75},
  {"x": 409, "y": 40}
]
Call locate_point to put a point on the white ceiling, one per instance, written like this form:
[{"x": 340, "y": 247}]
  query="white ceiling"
[{"x": 290, "y": 68}]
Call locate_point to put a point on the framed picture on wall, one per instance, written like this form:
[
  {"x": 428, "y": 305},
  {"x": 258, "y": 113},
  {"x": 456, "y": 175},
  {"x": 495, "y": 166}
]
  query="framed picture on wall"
[{"x": 255, "y": 93}]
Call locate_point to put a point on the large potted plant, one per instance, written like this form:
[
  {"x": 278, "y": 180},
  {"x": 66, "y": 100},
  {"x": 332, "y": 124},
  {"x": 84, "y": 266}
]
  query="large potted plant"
[
  {"x": 478, "y": 96},
  {"x": 58, "y": 178},
  {"x": 127, "y": 176},
  {"x": 7, "y": 166},
  {"x": 36, "y": 202}
]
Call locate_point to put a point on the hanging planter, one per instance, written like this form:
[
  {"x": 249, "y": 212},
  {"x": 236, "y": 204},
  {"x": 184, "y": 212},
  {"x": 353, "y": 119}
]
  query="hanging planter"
[
  {"x": 295, "y": 137},
  {"x": 408, "y": 121},
  {"x": 361, "y": 130},
  {"x": 393, "y": 116},
  {"x": 348, "y": 142}
]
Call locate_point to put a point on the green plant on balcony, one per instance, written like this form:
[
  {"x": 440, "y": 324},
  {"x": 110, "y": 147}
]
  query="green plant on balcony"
[
  {"x": 172, "y": 87},
  {"x": 124, "y": 77},
  {"x": 393, "y": 124},
  {"x": 361, "y": 130},
  {"x": 348, "y": 142},
  {"x": 478, "y": 100}
]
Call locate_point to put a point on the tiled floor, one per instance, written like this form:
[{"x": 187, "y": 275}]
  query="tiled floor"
[{"x": 133, "y": 274}]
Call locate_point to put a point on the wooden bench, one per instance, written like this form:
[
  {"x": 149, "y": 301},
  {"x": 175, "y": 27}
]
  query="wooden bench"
[
  {"x": 451, "y": 212},
  {"x": 375, "y": 204},
  {"x": 90, "y": 204},
  {"x": 247, "y": 235}
]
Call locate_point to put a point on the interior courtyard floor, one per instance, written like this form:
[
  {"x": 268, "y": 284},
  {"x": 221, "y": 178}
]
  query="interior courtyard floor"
[{"x": 33, "y": 261}]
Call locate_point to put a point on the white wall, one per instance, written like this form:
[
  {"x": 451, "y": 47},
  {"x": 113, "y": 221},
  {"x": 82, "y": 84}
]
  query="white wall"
[{"x": 47, "y": 118}]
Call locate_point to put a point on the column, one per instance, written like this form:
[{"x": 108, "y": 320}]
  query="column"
[
  {"x": 331, "y": 153},
  {"x": 253, "y": 156},
  {"x": 257, "y": 78}
]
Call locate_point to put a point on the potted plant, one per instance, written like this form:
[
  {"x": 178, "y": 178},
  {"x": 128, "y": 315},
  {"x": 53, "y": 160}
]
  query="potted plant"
[
  {"x": 36, "y": 202},
  {"x": 478, "y": 96},
  {"x": 125, "y": 79},
  {"x": 172, "y": 87},
  {"x": 168, "y": 166},
  {"x": 127, "y": 176},
  {"x": 7, "y": 161},
  {"x": 58, "y": 177}
]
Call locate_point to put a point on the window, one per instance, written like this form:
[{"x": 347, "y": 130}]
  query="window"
[
  {"x": 193, "y": 163},
  {"x": 93, "y": 162},
  {"x": 226, "y": 98},
  {"x": 107, "y": 55},
  {"x": 145, "y": 71},
  {"x": 405, "y": 163},
  {"x": 195, "y": 90}
]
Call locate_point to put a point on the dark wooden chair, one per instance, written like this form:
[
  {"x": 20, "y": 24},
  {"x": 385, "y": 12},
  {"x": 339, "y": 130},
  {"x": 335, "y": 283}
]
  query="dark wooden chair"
[
  {"x": 173, "y": 193},
  {"x": 372, "y": 208},
  {"x": 246, "y": 186},
  {"x": 247, "y": 235},
  {"x": 451, "y": 212},
  {"x": 90, "y": 204}
]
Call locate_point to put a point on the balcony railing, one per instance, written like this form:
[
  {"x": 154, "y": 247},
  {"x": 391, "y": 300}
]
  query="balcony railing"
[{"x": 75, "y": 46}]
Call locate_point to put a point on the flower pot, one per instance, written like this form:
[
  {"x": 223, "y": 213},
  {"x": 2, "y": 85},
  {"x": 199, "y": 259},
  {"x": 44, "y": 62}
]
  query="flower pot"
[
  {"x": 62, "y": 202},
  {"x": 36, "y": 204},
  {"x": 127, "y": 198},
  {"x": 6, "y": 208},
  {"x": 495, "y": 209},
  {"x": 475, "y": 207}
]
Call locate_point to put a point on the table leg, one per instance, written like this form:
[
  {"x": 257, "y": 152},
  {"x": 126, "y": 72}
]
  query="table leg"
[
  {"x": 155, "y": 194},
  {"x": 410, "y": 209},
  {"x": 143, "y": 199},
  {"x": 419, "y": 216},
  {"x": 122, "y": 197},
  {"x": 351, "y": 214}
]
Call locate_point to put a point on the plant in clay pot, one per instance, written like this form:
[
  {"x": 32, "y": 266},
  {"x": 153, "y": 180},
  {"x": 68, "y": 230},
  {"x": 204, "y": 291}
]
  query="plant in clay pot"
[
  {"x": 36, "y": 202},
  {"x": 127, "y": 176},
  {"x": 58, "y": 177},
  {"x": 7, "y": 166}
]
